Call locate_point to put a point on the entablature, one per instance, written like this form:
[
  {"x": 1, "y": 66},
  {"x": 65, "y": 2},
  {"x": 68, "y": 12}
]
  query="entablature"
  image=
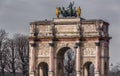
[{"x": 69, "y": 27}]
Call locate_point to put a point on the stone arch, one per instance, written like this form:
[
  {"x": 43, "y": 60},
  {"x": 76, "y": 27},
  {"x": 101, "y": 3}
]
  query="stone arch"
[
  {"x": 63, "y": 46},
  {"x": 43, "y": 69},
  {"x": 88, "y": 69},
  {"x": 59, "y": 61}
]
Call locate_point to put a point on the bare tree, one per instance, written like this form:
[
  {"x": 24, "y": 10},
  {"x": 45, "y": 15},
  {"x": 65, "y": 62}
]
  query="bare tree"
[
  {"x": 3, "y": 51},
  {"x": 69, "y": 62},
  {"x": 12, "y": 65},
  {"x": 14, "y": 54},
  {"x": 22, "y": 47},
  {"x": 115, "y": 70}
]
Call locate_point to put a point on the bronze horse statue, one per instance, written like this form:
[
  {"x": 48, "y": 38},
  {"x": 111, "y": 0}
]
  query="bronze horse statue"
[{"x": 69, "y": 11}]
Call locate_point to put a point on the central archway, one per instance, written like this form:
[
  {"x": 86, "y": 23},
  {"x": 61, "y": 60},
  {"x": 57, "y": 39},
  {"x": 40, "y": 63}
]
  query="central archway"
[{"x": 61, "y": 57}]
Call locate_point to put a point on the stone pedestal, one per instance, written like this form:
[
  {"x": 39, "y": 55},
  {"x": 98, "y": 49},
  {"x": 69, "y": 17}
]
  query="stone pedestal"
[
  {"x": 50, "y": 73},
  {"x": 31, "y": 74},
  {"x": 97, "y": 73},
  {"x": 77, "y": 73}
]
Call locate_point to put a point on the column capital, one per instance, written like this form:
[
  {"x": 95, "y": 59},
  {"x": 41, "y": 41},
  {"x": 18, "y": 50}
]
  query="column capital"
[
  {"x": 97, "y": 43},
  {"x": 77, "y": 44},
  {"x": 33, "y": 44},
  {"x": 51, "y": 44}
]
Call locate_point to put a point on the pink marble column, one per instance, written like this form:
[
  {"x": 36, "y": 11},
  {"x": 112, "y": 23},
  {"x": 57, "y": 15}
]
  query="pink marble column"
[
  {"x": 77, "y": 49},
  {"x": 51, "y": 56},
  {"x": 51, "y": 59},
  {"x": 97, "y": 59},
  {"x": 107, "y": 59},
  {"x": 32, "y": 60},
  {"x": 78, "y": 59}
]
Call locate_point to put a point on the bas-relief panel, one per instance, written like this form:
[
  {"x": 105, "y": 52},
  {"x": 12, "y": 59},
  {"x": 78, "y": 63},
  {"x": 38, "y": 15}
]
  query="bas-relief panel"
[
  {"x": 43, "y": 29},
  {"x": 89, "y": 28},
  {"x": 89, "y": 51},
  {"x": 89, "y": 48},
  {"x": 43, "y": 49}
]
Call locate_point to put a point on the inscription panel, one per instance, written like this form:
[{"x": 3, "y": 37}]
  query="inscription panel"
[{"x": 64, "y": 28}]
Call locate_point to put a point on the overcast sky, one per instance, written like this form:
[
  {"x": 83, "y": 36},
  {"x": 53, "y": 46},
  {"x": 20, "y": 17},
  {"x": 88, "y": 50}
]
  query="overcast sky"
[{"x": 15, "y": 16}]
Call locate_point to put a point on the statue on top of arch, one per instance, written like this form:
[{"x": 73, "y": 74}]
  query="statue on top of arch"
[{"x": 70, "y": 11}]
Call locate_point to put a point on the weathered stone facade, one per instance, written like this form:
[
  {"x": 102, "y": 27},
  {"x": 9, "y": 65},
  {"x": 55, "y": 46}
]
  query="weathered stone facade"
[{"x": 49, "y": 40}]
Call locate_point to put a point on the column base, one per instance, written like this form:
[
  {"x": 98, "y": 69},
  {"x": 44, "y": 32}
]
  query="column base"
[
  {"x": 97, "y": 73},
  {"x": 31, "y": 74},
  {"x": 50, "y": 73},
  {"x": 78, "y": 73}
]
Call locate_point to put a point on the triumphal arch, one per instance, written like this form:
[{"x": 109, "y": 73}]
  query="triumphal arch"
[{"x": 50, "y": 39}]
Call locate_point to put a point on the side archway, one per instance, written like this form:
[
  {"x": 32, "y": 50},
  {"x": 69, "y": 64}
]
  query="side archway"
[
  {"x": 88, "y": 69},
  {"x": 43, "y": 69}
]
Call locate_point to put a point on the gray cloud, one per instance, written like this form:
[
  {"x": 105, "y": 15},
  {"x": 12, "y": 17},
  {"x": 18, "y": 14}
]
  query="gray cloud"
[{"x": 15, "y": 16}]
